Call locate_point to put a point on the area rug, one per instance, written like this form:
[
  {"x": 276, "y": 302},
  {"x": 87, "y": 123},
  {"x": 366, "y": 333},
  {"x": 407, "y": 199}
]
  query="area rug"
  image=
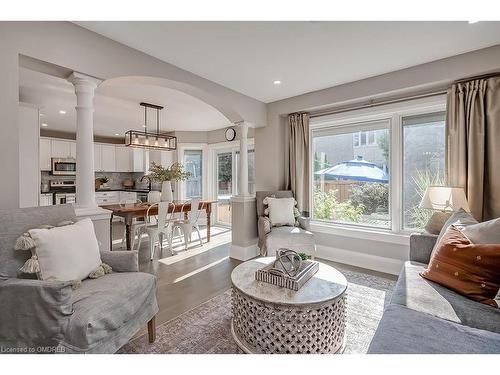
[{"x": 206, "y": 329}]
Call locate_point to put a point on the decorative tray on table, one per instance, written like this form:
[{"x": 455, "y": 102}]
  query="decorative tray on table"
[{"x": 288, "y": 270}]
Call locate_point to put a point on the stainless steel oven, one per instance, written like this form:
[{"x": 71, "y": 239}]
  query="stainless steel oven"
[
  {"x": 63, "y": 198},
  {"x": 63, "y": 167}
]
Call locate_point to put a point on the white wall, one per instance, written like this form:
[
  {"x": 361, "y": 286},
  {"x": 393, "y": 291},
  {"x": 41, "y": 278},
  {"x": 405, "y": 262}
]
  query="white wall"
[
  {"x": 271, "y": 141},
  {"x": 74, "y": 48},
  {"x": 29, "y": 167}
]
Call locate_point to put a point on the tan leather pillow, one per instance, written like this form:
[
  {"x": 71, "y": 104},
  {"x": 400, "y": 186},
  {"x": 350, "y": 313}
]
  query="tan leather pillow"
[{"x": 472, "y": 270}]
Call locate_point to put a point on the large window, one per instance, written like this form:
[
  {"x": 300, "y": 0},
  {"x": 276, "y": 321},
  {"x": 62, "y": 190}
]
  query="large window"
[
  {"x": 372, "y": 168},
  {"x": 193, "y": 161},
  {"x": 423, "y": 164},
  {"x": 351, "y": 174}
]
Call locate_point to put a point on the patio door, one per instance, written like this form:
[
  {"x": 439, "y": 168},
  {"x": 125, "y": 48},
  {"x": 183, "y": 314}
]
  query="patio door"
[
  {"x": 225, "y": 186},
  {"x": 226, "y": 162}
]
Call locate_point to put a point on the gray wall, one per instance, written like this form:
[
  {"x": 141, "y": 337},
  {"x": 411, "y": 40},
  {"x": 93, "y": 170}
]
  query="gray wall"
[
  {"x": 213, "y": 136},
  {"x": 74, "y": 48}
]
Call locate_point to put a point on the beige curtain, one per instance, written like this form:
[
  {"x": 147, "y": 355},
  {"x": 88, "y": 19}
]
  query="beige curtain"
[
  {"x": 297, "y": 170},
  {"x": 473, "y": 144}
]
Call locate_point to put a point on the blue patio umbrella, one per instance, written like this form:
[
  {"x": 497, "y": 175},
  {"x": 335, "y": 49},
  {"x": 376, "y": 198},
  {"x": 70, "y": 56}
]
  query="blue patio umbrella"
[{"x": 355, "y": 170}]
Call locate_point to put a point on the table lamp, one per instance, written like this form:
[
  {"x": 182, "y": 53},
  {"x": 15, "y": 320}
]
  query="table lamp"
[{"x": 443, "y": 200}]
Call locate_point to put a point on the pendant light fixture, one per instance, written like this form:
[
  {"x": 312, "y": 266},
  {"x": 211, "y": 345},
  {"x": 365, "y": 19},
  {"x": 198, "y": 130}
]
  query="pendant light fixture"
[{"x": 151, "y": 140}]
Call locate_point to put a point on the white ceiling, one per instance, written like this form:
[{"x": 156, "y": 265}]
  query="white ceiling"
[
  {"x": 306, "y": 56},
  {"x": 117, "y": 105}
]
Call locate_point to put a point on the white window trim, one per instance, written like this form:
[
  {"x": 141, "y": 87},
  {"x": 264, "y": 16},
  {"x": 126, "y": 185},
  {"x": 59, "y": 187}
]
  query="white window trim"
[
  {"x": 181, "y": 185},
  {"x": 394, "y": 113}
]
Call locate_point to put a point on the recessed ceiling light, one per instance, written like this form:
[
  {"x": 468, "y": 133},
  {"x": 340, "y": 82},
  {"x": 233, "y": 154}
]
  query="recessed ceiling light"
[
  {"x": 117, "y": 134},
  {"x": 44, "y": 125},
  {"x": 62, "y": 112},
  {"x": 471, "y": 22},
  {"x": 277, "y": 82}
]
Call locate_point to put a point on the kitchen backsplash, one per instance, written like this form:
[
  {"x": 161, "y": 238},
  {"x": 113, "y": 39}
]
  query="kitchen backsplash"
[{"x": 115, "y": 178}]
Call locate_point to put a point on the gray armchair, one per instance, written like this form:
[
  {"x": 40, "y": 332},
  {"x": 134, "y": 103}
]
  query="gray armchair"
[
  {"x": 271, "y": 238},
  {"x": 49, "y": 316}
]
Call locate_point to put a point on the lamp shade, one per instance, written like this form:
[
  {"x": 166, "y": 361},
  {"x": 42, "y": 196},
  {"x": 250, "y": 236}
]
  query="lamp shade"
[{"x": 444, "y": 198}]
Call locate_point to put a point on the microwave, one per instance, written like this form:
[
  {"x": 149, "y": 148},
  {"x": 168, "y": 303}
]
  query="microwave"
[{"x": 63, "y": 167}]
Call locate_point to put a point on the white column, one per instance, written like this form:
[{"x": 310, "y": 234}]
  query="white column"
[
  {"x": 85, "y": 185},
  {"x": 243, "y": 167}
]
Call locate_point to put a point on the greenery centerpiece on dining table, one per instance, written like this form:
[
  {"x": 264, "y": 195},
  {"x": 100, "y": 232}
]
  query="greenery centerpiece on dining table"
[{"x": 165, "y": 176}]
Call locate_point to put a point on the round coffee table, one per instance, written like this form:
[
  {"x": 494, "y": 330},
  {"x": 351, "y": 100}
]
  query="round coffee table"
[{"x": 271, "y": 319}]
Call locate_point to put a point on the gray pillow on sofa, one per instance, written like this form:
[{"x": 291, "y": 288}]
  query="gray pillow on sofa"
[
  {"x": 459, "y": 219},
  {"x": 487, "y": 232}
]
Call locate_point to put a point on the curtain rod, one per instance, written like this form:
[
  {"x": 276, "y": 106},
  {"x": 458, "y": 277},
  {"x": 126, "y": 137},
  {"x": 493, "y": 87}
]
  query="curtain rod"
[
  {"x": 482, "y": 76},
  {"x": 373, "y": 103}
]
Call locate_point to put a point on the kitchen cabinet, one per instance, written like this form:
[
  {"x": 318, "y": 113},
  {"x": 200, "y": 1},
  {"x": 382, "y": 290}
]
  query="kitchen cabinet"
[
  {"x": 97, "y": 157},
  {"x": 108, "y": 158},
  {"x": 107, "y": 197},
  {"x": 72, "y": 149},
  {"x": 123, "y": 159},
  {"x": 45, "y": 154},
  {"x": 46, "y": 199},
  {"x": 140, "y": 159},
  {"x": 61, "y": 149},
  {"x": 104, "y": 158}
]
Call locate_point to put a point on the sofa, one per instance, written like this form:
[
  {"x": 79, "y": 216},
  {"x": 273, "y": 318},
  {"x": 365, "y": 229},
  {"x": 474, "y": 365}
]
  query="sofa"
[
  {"x": 298, "y": 238},
  {"x": 41, "y": 316},
  {"x": 423, "y": 317}
]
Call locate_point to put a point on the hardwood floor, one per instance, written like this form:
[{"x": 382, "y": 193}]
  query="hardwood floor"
[{"x": 190, "y": 280}]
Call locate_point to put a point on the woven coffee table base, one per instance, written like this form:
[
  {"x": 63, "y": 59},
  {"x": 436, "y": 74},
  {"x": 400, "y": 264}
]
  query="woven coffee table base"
[{"x": 260, "y": 327}]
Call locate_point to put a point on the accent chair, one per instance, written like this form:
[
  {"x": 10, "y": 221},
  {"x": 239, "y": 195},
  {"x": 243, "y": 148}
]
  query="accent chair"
[
  {"x": 298, "y": 238},
  {"x": 100, "y": 316}
]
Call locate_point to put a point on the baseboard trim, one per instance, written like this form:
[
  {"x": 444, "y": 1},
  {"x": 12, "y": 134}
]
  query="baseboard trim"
[
  {"x": 354, "y": 258},
  {"x": 243, "y": 253}
]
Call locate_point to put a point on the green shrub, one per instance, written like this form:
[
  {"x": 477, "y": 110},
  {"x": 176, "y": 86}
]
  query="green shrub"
[
  {"x": 326, "y": 207},
  {"x": 372, "y": 196}
]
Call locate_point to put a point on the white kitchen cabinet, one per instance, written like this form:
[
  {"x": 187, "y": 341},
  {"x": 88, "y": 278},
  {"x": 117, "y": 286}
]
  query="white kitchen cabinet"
[
  {"x": 45, "y": 154},
  {"x": 140, "y": 160},
  {"x": 72, "y": 149},
  {"x": 104, "y": 158},
  {"x": 108, "y": 158},
  {"x": 123, "y": 159},
  {"x": 97, "y": 158},
  {"x": 107, "y": 197},
  {"x": 61, "y": 149},
  {"x": 46, "y": 200}
]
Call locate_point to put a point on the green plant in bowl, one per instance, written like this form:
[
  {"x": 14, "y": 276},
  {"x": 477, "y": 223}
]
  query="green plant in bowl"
[{"x": 304, "y": 256}]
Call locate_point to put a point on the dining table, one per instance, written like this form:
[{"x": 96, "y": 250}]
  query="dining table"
[{"x": 131, "y": 211}]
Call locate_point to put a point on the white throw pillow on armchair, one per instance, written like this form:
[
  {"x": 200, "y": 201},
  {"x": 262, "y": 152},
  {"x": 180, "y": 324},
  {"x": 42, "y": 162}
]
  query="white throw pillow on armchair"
[
  {"x": 281, "y": 211},
  {"x": 67, "y": 253}
]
